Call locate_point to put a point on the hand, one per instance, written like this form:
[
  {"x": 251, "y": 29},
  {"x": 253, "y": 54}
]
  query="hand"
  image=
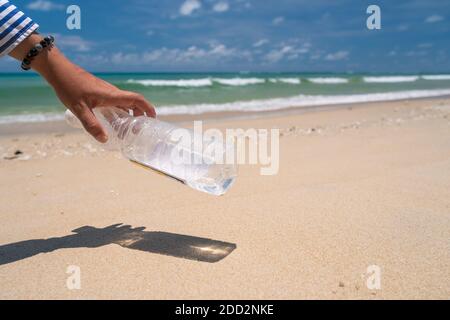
[{"x": 79, "y": 90}]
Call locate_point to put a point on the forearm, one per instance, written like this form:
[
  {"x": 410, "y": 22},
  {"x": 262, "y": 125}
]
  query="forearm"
[{"x": 50, "y": 63}]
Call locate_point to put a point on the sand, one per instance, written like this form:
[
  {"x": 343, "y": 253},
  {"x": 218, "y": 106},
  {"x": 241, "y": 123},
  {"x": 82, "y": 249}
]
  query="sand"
[{"x": 359, "y": 186}]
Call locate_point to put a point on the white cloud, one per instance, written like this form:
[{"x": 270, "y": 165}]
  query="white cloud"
[
  {"x": 392, "y": 53},
  {"x": 336, "y": 56},
  {"x": 303, "y": 50},
  {"x": 92, "y": 59},
  {"x": 316, "y": 56},
  {"x": 287, "y": 50},
  {"x": 260, "y": 43},
  {"x": 413, "y": 53},
  {"x": 221, "y": 6},
  {"x": 75, "y": 43},
  {"x": 215, "y": 53},
  {"x": 425, "y": 45},
  {"x": 277, "y": 21},
  {"x": 45, "y": 5},
  {"x": 278, "y": 54},
  {"x": 403, "y": 27},
  {"x": 434, "y": 18},
  {"x": 189, "y": 6}
]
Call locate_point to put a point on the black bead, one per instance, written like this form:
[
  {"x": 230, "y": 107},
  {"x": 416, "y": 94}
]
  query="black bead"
[
  {"x": 27, "y": 61},
  {"x": 25, "y": 67}
]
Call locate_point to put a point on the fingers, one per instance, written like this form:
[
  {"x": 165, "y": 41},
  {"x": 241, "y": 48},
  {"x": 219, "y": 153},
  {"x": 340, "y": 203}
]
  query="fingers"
[
  {"x": 138, "y": 112},
  {"x": 139, "y": 102},
  {"x": 92, "y": 125},
  {"x": 133, "y": 101}
]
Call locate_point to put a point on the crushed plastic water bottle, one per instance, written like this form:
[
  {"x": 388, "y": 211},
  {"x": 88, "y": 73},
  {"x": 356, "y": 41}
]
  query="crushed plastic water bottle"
[{"x": 157, "y": 145}]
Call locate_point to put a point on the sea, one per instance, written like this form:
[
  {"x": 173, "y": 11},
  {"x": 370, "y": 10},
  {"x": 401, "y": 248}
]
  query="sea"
[{"x": 27, "y": 98}]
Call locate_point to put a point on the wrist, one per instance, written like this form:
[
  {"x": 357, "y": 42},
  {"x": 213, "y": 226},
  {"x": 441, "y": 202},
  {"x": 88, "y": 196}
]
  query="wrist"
[{"x": 50, "y": 63}]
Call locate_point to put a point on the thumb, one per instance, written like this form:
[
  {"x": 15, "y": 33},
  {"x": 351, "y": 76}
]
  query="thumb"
[{"x": 92, "y": 125}]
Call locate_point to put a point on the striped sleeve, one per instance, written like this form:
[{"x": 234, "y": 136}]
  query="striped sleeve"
[{"x": 15, "y": 27}]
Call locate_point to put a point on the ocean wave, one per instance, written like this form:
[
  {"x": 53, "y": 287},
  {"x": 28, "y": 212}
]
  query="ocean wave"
[
  {"x": 285, "y": 80},
  {"x": 195, "y": 83},
  {"x": 328, "y": 80},
  {"x": 32, "y": 117},
  {"x": 299, "y": 101},
  {"x": 390, "y": 79},
  {"x": 206, "y": 82},
  {"x": 257, "y": 105},
  {"x": 239, "y": 81},
  {"x": 437, "y": 77}
]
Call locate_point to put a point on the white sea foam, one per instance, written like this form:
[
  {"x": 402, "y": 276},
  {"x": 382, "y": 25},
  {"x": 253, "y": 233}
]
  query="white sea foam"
[
  {"x": 285, "y": 80},
  {"x": 205, "y": 82},
  {"x": 239, "y": 81},
  {"x": 328, "y": 80},
  {"x": 299, "y": 101},
  {"x": 258, "y": 105},
  {"x": 437, "y": 77},
  {"x": 390, "y": 79},
  {"x": 29, "y": 118}
]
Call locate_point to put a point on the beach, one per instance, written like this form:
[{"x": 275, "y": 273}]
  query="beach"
[{"x": 359, "y": 185}]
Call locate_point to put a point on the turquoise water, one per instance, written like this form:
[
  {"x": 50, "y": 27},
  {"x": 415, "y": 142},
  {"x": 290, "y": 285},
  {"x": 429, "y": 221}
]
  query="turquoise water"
[{"x": 27, "y": 94}]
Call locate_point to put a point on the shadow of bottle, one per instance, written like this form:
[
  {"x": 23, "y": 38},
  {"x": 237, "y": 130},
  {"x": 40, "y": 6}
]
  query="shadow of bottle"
[{"x": 171, "y": 244}]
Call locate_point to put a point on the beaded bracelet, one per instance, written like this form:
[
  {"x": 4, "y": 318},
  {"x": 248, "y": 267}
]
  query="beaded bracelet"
[{"x": 47, "y": 42}]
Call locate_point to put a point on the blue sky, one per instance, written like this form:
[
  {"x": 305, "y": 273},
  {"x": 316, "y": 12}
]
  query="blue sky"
[{"x": 249, "y": 35}]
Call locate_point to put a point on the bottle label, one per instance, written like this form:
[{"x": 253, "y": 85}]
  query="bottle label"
[{"x": 148, "y": 167}]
